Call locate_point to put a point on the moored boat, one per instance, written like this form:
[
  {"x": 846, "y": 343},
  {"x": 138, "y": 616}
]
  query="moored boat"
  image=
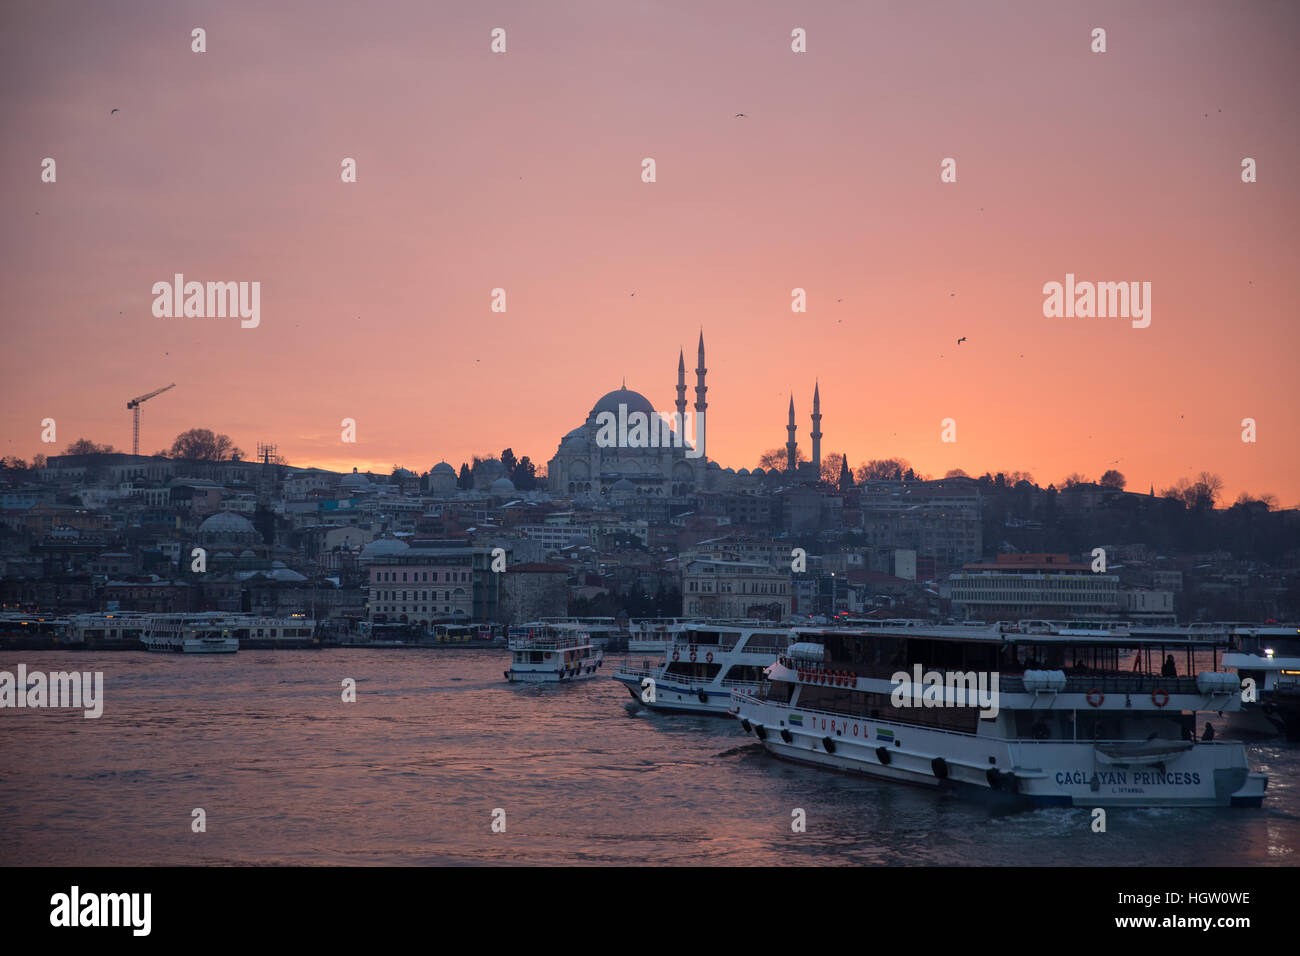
[
  {"x": 1033, "y": 715},
  {"x": 190, "y": 634},
  {"x": 705, "y": 662}
]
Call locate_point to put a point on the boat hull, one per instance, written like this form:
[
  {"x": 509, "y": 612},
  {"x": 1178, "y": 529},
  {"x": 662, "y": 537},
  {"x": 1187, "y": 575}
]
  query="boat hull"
[
  {"x": 191, "y": 646},
  {"x": 515, "y": 676},
  {"x": 1052, "y": 773},
  {"x": 673, "y": 698}
]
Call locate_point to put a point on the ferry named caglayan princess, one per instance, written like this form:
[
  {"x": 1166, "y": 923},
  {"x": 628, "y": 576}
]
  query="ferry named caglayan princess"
[{"x": 1042, "y": 714}]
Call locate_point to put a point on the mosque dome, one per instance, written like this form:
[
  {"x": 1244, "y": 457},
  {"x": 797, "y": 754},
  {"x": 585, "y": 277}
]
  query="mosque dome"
[
  {"x": 442, "y": 468},
  {"x": 226, "y": 523},
  {"x": 355, "y": 480},
  {"x": 502, "y": 486},
  {"x": 574, "y": 444},
  {"x": 624, "y": 487},
  {"x": 635, "y": 402}
]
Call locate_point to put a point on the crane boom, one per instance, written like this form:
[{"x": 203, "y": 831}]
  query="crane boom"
[
  {"x": 144, "y": 398},
  {"x": 134, "y": 406}
]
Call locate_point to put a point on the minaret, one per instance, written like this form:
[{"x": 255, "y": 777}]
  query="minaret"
[
  {"x": 790, "y": 446},
  {"x": 681, "y": 389},
  {"x": 817, "y": 434},
  {"x": 700, "y": 403}
]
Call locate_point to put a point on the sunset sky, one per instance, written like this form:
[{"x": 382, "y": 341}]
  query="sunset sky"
[{"x": 523, "y": 171}]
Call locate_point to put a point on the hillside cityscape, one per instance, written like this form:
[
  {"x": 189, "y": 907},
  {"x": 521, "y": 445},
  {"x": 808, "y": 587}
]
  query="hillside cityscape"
[{"x": 625, "y": 533}]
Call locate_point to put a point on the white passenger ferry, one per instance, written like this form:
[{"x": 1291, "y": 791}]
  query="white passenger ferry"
[
  {"x": 1269, "y": 654},
  {"x": 705, "y": 662},
  {"x": 1093, "y": 719},
  {"x": 191, "y": 634},
  {"x": 654, "y": 635},
  {"x": 549, "y": 653}
]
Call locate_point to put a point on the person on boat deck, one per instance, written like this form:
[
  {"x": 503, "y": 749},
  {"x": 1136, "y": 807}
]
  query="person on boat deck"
[
  {"x": 1170, "y": 669},
  {"x": 1208, "y": 734}
]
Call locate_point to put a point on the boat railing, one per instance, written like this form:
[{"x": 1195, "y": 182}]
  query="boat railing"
[
  {"x": 1109, "y": 684},
  {"x": 1018, "y": 741},
  {"x": 548, "y": 643},
  {"x": 1014, "y": 683}
]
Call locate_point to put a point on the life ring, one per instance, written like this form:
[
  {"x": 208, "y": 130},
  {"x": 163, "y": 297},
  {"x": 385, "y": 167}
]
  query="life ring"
[
  {"x": 1095, "y": 697},
  {"x": 708, "y": 658},
  {"x": 1160, "y": 697},
  {"x": 677, "y": 655}
]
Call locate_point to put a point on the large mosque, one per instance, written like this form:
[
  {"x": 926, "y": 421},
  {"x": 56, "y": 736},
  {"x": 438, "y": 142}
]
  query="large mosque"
[{"x": 587, "y": 464}]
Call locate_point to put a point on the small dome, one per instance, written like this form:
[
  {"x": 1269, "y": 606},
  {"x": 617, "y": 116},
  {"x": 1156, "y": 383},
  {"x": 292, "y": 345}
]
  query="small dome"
[
  {"x": 623, "y": 486},
  {"x": 574, "y": 444},
  {"x": 758, "y": 473},
  {"x": 502, "y": 486},
  {"x": 442, "y": 468},
  {"x": 226, "y": 522},
  {"x": 354, "y": 480},
  {"x": 384, "y": 547},
  {"x": 743, "y": 473}
]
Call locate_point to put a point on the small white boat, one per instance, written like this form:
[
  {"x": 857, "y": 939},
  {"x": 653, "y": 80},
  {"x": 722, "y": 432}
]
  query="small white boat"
[
  {"x": 191, "y": 634},
  {"x": 552, "y": 653},
  {"x": 705, "y": 662}
]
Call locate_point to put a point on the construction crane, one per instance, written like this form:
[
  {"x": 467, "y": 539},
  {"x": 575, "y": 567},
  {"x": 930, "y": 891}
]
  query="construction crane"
[{"x": 134, "y": 406}]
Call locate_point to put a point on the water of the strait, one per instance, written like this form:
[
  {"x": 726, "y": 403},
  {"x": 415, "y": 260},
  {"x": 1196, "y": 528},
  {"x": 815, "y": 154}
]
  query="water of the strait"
[{"x": 287, "y": 773}]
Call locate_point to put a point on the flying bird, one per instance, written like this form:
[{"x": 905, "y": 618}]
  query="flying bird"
[
  {"x": 741, "y": 114},
  {"x": 112, "y": 111},
  {"x": 961, "y": 340}
]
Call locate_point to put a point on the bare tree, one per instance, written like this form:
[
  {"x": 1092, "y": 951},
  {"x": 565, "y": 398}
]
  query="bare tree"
[
  {"x": 204, "y": 445},
  {"x": 1112, "y": 479},
  {"x": 831, "y": 466},
  {"x": 776, "y": 459},
  {"x": 882, "y": 469},
  {"x": 84, "y": 446}
]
